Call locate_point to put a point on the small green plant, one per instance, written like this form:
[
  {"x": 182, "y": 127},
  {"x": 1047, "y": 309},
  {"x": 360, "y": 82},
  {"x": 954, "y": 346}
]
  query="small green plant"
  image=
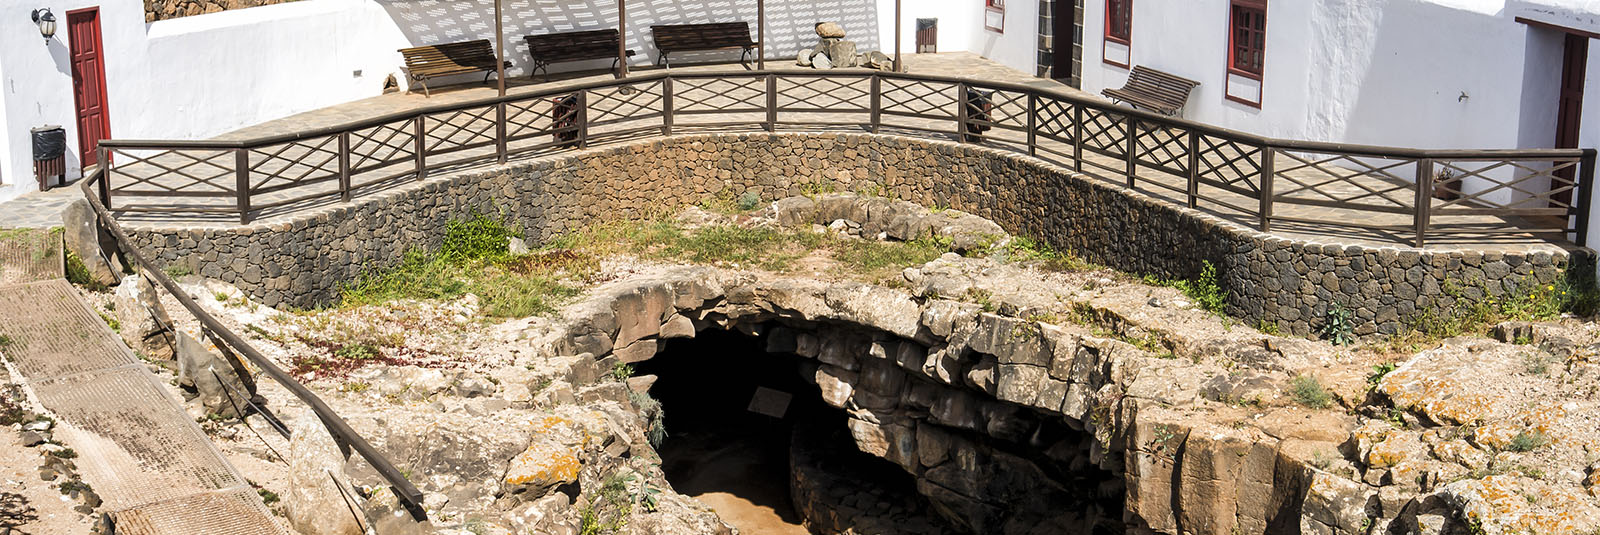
[
  {"x": 358, "y": 352},
  {"x": 1379, "y": 371},
  {"x": 355, "y": 387},
  {"x": 1308, "y": 391},
  {"x": 65, "y": 453},
  {"x": 1267, "y": 327},
  {"x": 78, "y": 273},
  {"x": 222, "y": 297},
  {"x": 1337, "y": 326},
  {"x": 1536, "y": 363},
  {"x": 622, "y": 371},
  {"x": 1322, "y": 459},
  {"x": 116, "y": 326},
  {"x": 652, "y": 408},
  {"x": 749, "y": 201},
  {"x": 1527, "y": 441},
  {"x": 6, "y": 341},
  {"x": 178, "y": 270},
  {"x": 267, "y": 497},
  {"x": 477, "y": 237},
  {"x": 1522, "y": 340}
]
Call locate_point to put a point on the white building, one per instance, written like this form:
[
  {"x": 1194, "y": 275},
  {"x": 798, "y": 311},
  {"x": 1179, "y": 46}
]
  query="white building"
[{"x": 1416, "y": 73}]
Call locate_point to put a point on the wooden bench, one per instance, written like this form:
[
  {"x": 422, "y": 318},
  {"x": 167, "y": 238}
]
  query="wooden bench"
[
  {"x": 572, "y": 46},
  {"x": 1154, "y": 90},
  {"x": 433, "y": 61},
  {"x": 671, "y": 38}
]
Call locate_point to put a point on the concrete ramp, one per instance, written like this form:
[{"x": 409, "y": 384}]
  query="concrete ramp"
[
  {"x": 155, "y": 468},
  {"x": 28, "y": 255}
]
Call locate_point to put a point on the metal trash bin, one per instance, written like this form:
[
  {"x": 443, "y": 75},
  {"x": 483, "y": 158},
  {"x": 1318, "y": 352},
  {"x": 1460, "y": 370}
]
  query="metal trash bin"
[{"x": 49, "y": 154}]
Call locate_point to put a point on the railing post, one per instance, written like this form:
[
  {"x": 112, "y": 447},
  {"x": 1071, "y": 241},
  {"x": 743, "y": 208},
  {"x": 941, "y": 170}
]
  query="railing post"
[
  {"x": 419, "y": 145},
  {"x": 1130, "y": 152},
  {"x": 1077, "y": 137},
  {"x": 241, "y": 173},
  {"x": 1424, "y": 199},
  {"x": 1033, "y": 124},
  {"x": 772, "y": 103},
  {"x": 961, "y": 112},
  {"x": 1194, "y": 169},
  {"x": 1269, "y": 158},
  {"x": 344, "y": 166},
  {"x": 500, "y": 132},
  {"x": 1583, "y": 191},
  {"x": 666, "y": 106},
  {"x": 105, "y": 176},
  {"x": 583, "y": 119},
  {"x": 876, "y": 88}
]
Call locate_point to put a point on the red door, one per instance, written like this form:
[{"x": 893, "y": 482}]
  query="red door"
[
  {"x": 88, "y": 81},
  {"x": 1569, "y": 113}
]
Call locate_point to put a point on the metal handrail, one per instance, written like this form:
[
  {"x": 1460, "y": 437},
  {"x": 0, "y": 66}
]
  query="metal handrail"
[
  {"x": 342, "y": 433},
  {"x": 1134, "y": 125}
]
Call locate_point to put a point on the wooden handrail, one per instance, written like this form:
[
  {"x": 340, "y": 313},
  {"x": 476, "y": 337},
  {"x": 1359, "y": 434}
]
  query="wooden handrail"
[{"x": 1138, "y": 125}]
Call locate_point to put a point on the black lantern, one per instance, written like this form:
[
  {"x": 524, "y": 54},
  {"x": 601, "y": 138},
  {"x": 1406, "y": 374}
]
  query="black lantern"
[{"x": 47, "y": 23}]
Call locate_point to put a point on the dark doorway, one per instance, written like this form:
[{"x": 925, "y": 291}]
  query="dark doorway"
[
  {"x": 88, "y": 81},
  {"x": 1569, "y": 111},
  {"x": 1066, "y": 40}
]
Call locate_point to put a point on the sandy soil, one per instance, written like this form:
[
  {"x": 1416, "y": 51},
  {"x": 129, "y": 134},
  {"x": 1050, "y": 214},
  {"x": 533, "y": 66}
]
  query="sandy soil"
[
  {"x": 28, "y": 505},
  {"x": 735, "y": 479}
]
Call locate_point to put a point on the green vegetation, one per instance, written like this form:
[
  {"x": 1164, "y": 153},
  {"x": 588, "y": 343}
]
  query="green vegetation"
[
  {"x": 1527, "y": 441},
  {"x": 178, "y": 270},
  {"x": 1537, "y": 363},
  {"x": 1308, "y": 391},
  {"x": 1379, "y": 371},
  {"x": 1204, "y": 290},
  {"x": 267, "y": 497},
  {"x": 658, "y": 418},
  {"x": 1475, "y": 309},
  {"x": 607, "y": 512},
  {"x": 621, "y": 372},
  {"x": 6, "y": 341},
  {"x": 78, "y": 273},
  {"x": 116, "y": 326},
  {"x": 1336, "y": 325}
]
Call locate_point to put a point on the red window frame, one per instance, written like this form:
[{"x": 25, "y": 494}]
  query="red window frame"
[
  {"x": 998, "y": 7},
  {"x": 1247, "y": 37},
  {"x": 1247, "y": 44},
  {"x": 1118, "y": 31}
]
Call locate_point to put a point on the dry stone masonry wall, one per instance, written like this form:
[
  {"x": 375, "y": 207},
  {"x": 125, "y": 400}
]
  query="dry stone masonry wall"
[{"x": 1269, "y": 279}]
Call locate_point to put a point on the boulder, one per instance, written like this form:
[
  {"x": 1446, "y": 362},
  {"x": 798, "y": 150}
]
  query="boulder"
[
  {"x": 821, "y": 61},
  {"x": 315, "y": 503},
  {"x": 830, "y": 30},
  {"x": 202, "y": 367},
  {"x": 840, "y": 52},
  {"x": 876, "y": 60},
  {"x": 143, "y": 318},
  {"x": 82, "y": 239},
  {"x": 804, "y": 58}
]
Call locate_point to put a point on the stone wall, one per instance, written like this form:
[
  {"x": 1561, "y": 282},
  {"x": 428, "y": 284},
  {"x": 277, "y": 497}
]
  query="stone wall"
[
  {"x": 1269, "y": 279},
  {"x": 155, "y": 10}
]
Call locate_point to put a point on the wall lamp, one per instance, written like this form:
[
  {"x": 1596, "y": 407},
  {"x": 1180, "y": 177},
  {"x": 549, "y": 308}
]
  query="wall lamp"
[{"x": 47, "y": 23}]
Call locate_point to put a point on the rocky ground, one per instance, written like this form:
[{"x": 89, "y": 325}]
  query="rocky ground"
[{"x": 1204, "y": 425}]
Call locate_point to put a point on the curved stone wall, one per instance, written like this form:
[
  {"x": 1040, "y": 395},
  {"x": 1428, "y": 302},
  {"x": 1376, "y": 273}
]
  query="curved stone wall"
[{"x": 301, "y": 261}]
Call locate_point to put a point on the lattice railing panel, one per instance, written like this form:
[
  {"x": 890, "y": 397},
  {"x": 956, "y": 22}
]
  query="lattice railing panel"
[
  {"x": 1228, "y": 162},
  {"x": 1162, "y": 147},
  {"x": 1345, "y": 181},
  {"x": 1105, "y": 132},
  {"x": 1056, "y": 118},
  {"x": 719, "y": 94},
  {"x": 539, "y": 116},
  {"x": 1504, "y": 185},
  {"x": 293, "y": 163},
  {"x": 176, "y": 172},
  {"x": 382, "y": 145},
  {"x": 824, "y": 93},
  {"x": 1006, "y": 108},
  {"x": 919, "y": 97},
  {"x": 453, "y": 130},
  {"x": 631, "y": 101}
]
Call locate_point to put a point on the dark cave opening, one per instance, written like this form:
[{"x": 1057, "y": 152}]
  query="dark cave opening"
[{"x": 722, "y": 449}]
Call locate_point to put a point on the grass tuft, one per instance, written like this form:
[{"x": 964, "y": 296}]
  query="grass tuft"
[{"x": 1308, "y": 391}]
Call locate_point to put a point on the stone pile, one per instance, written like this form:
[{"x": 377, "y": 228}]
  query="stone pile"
[{"x": 834, "y": 51}]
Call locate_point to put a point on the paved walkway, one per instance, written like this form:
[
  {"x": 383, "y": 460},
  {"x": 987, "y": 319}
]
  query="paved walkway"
[{"x": 156, "y": 471}]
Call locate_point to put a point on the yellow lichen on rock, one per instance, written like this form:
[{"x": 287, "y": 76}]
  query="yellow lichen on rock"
[
  {"x": 1511, "y": 504},
  {"x": 544, "y": 464}
]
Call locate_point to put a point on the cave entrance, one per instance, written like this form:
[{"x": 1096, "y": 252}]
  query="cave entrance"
[{"x": 722, "y": 451}]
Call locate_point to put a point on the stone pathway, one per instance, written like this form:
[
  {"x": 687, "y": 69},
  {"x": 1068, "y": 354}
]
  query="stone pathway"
[
  {"x": 40, "y": 209},
  {"x": 136, "y": 446}
]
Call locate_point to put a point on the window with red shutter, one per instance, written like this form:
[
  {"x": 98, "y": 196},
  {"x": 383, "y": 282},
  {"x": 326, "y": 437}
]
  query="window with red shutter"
[
  {"x": 1117, "y": 47},
  {"x": 1247, "y": 50}
]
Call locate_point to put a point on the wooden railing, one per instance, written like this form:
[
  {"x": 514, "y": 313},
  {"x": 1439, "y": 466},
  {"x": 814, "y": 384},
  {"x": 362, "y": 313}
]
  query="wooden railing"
[{"x": 1412, "y": 193}]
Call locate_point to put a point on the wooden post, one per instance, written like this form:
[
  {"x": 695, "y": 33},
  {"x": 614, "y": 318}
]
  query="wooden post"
[
  {"x": 344, "y": 166},
  {"x": 104, "y": 167},
  {"x": 500, "y": 131},
  {"x": 1194, "y": 169},
  {"x": 761, "y": 34},
  {"x": 1033, "y": 124},
  {"x": 1269, "y": 158},
  {"x": 876, "y": 100},
  {"x": 1424, "y": 199},
  {"x": 500, "y": 49},
  {"x": 1131, "y": 151},
  {"x": 583, "y": 119},
  {"x": 772, "y": 103},
  {"x": 961, "y": 112},
  {"x": 241, "y": 174},
  {"x": 1583, "y": 191},
  {"x": 622, "y": 38},
  {"x": 1077, "y": 137},
  {"x": 666, "y": 106},
  {"x": 898, "y": 67},
  {"x": 419, "y": 146}
]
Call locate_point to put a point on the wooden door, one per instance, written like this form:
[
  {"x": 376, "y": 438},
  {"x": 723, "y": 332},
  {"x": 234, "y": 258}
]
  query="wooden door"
[{"x": 86, "y": 55}]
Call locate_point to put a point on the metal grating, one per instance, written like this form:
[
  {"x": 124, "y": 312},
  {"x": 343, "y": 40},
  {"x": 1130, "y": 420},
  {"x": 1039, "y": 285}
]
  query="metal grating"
[
  {"x": 136, "y": 445},
  {"x": 237, "y": 512},
  {"x": 28, "y": 255},
  {"x": 52, "y": 334}
]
